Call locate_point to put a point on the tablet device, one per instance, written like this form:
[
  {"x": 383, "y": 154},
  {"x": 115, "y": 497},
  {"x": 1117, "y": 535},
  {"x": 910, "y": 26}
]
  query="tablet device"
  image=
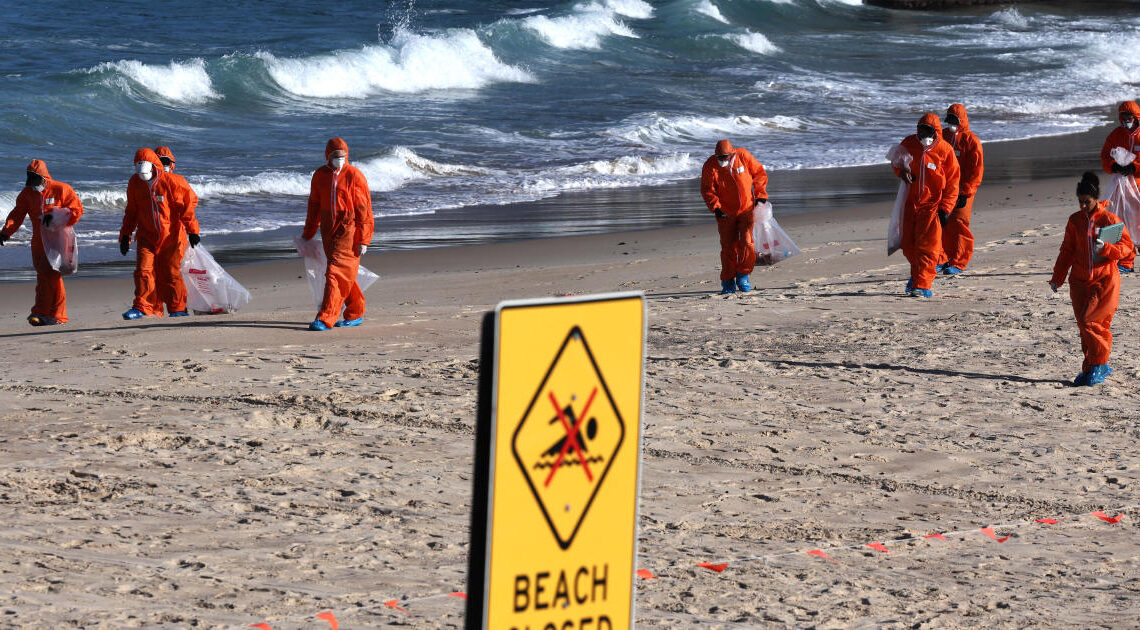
[{"x": 1111, "y": 233}]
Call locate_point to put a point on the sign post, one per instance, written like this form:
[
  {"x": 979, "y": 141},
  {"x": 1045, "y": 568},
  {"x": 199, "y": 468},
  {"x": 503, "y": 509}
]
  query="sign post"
[{"x": 557, "y": 462}]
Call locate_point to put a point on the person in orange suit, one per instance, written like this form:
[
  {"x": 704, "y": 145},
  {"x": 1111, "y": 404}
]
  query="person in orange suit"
[
  {"x": 933, "y": 193},
  {"x": 160, "y": 206},
  {"x": 340, "y": 205},
  {"x": 732, "y": 183},
  {"x": 957, "y": 239},
  {"x": 1127, "y": 135},
  {"x": 40, "y": 197},
  {"x": 1094, "y": 280},
  {"x": 189, "y": 222}
]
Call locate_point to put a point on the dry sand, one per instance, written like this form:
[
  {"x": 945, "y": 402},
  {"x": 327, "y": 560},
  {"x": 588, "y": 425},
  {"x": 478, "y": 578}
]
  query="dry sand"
[{"x": 223, "y": 471}]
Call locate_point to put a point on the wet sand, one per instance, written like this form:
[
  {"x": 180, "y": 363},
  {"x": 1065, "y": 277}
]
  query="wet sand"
[{"x": 228, "y": 470}]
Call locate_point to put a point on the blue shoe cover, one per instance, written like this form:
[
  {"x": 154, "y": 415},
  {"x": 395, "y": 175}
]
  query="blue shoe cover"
[
  {"x": 1098, "y": 373},
  {"x": 180, "y": 314},
  {"x": 134, "y": 313},
  {"x": 909, "y": 286},
  {"x": 318, "y": 325},
  {"x": 951, "y": 270},
  {"x": 349, "y": 323},
  {"x": 1125, "y": 269},
  {"x": 727, "y": 286},
  {"x": 923, "y": 293},
  {"x": 743, "y": 282},
  {"x": 941, "y": 268},
  {"x": 1081, "y": 380},
  {"x": 42, "y": 320}
]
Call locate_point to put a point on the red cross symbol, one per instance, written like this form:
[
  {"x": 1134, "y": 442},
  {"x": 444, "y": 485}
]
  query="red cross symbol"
[{"x": 571, "y": 437}]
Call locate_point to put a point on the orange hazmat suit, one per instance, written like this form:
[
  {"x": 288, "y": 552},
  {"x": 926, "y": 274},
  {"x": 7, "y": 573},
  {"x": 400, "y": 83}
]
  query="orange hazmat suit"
[
  {"x": 1130, "y": 140},
  {"x": 935, "y": 189},
  {"x": 340, "y": 205},
  {"x": 957, "y": 239},
  {"x": 189, "y": 221},
  {"x": 159, "y": 214},
  {"x": 51, "y": 300},
  {"x": 1094, "y": 281},
  {"x": 733, "y": 190}
]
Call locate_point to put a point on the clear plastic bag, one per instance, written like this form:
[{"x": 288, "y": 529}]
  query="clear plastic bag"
[
  {"x": 1124, "y": 201},
  {"x": 312, "y": 252},
  {"x": 900, "y": 158},
  {"x": 209, "y": 289},
  {"x": 60, "y": 245},
  {"x": 772, "y": 243},
  {"x": 1123, "y": 156}
]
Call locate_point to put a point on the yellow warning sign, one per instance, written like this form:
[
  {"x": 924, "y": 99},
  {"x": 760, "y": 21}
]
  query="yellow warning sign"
[
  {"x": 567, "y": 439},
  {"x": 558, "y": 455}
]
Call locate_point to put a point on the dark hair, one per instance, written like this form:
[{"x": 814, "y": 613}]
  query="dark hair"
[{"x": 1089, "y": 185}]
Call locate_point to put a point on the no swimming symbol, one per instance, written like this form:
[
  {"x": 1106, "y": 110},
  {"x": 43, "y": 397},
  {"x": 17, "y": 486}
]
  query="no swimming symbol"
[{"x": 571, "y": 422}]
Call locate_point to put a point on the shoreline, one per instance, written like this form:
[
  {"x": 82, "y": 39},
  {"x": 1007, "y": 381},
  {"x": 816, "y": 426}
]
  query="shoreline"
[{"x": 632, "y": 209}]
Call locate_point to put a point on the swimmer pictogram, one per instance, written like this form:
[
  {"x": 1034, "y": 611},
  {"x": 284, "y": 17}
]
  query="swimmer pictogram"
[{"x": 566, "y": 441}]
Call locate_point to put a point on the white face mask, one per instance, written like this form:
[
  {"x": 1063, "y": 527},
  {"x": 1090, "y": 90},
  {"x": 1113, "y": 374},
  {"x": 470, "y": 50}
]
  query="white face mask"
[
  {"x": 927, "y": 141},
  {"x": 165, "y": 168},
  {"x": 337, "y": 162},
  {"x": 39, "y": 188},
  {"x": 1130, "y": 125},
  {"x": 724, "y": 162},
  {"x": 952, "y": 128},
  {"x": 144, "y": 169}
]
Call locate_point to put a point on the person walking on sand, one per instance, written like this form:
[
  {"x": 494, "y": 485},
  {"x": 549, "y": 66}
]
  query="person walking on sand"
[
  {"x": 340, "y": 204},
  {"x": 42, "y": 199},
  {"x": 160, "y": 206},
  {"x": 957, "y": 239},
  {"x": 1094, "y": 280},
  {"x": 1127, "y": 137},
  {"x": 932, "y": 194},
  {"x": 193, "y": 235},
  {"x": 732, "y": 184}
]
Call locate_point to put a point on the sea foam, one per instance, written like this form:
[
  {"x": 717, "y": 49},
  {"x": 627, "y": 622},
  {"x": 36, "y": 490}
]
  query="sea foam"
[
  {"x": 754, "y": 42},
  {"x": 706, "y": 7},
  {"x": 384, "y": 173},
  {"x": 655, "y": 129},
  {"x": 585, "y": 27},
  {"x": 410, "y": 63},
  {"x": 178, "y": 82}
]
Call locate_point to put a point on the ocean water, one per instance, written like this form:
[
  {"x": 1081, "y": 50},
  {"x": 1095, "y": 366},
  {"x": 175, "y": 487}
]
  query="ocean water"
[{"x": 453, "y": 104}]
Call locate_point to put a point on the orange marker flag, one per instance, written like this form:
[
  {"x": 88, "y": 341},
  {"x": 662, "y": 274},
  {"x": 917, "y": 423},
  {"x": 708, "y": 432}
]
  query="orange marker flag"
[
  {"x": 935, "y": 535},
  {"x": 645, "y": 574},
  {"x": 395, "y": 603},
  {"x": 820, "y": 553},
  {"x": 1111, "y": 520},
  {"x": 989, "y": 531},
  {"x": 1048, "y": 521},
  {"x": 716, "y": 568},
  {"x": 331, "y": 618},
  {"x": 260, "y": 626},
  {"x": 459, "y": 594},
  {"x": 878, "y": 547}
]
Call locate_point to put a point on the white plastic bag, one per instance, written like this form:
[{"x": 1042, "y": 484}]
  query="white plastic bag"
[
  {"x": 209, "y": 289},
  {"x": 1123, "y": 156},
  {"x": 313, "y": 253},
  {"x": 900, "y": 158},
  {"x": 60, "y": 244},
  {"x": 772, "y": 243}
]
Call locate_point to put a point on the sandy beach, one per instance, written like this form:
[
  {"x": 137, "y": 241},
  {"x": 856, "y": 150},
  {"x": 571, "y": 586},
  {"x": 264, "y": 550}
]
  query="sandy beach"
[{"x": 229, "y": 470}]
